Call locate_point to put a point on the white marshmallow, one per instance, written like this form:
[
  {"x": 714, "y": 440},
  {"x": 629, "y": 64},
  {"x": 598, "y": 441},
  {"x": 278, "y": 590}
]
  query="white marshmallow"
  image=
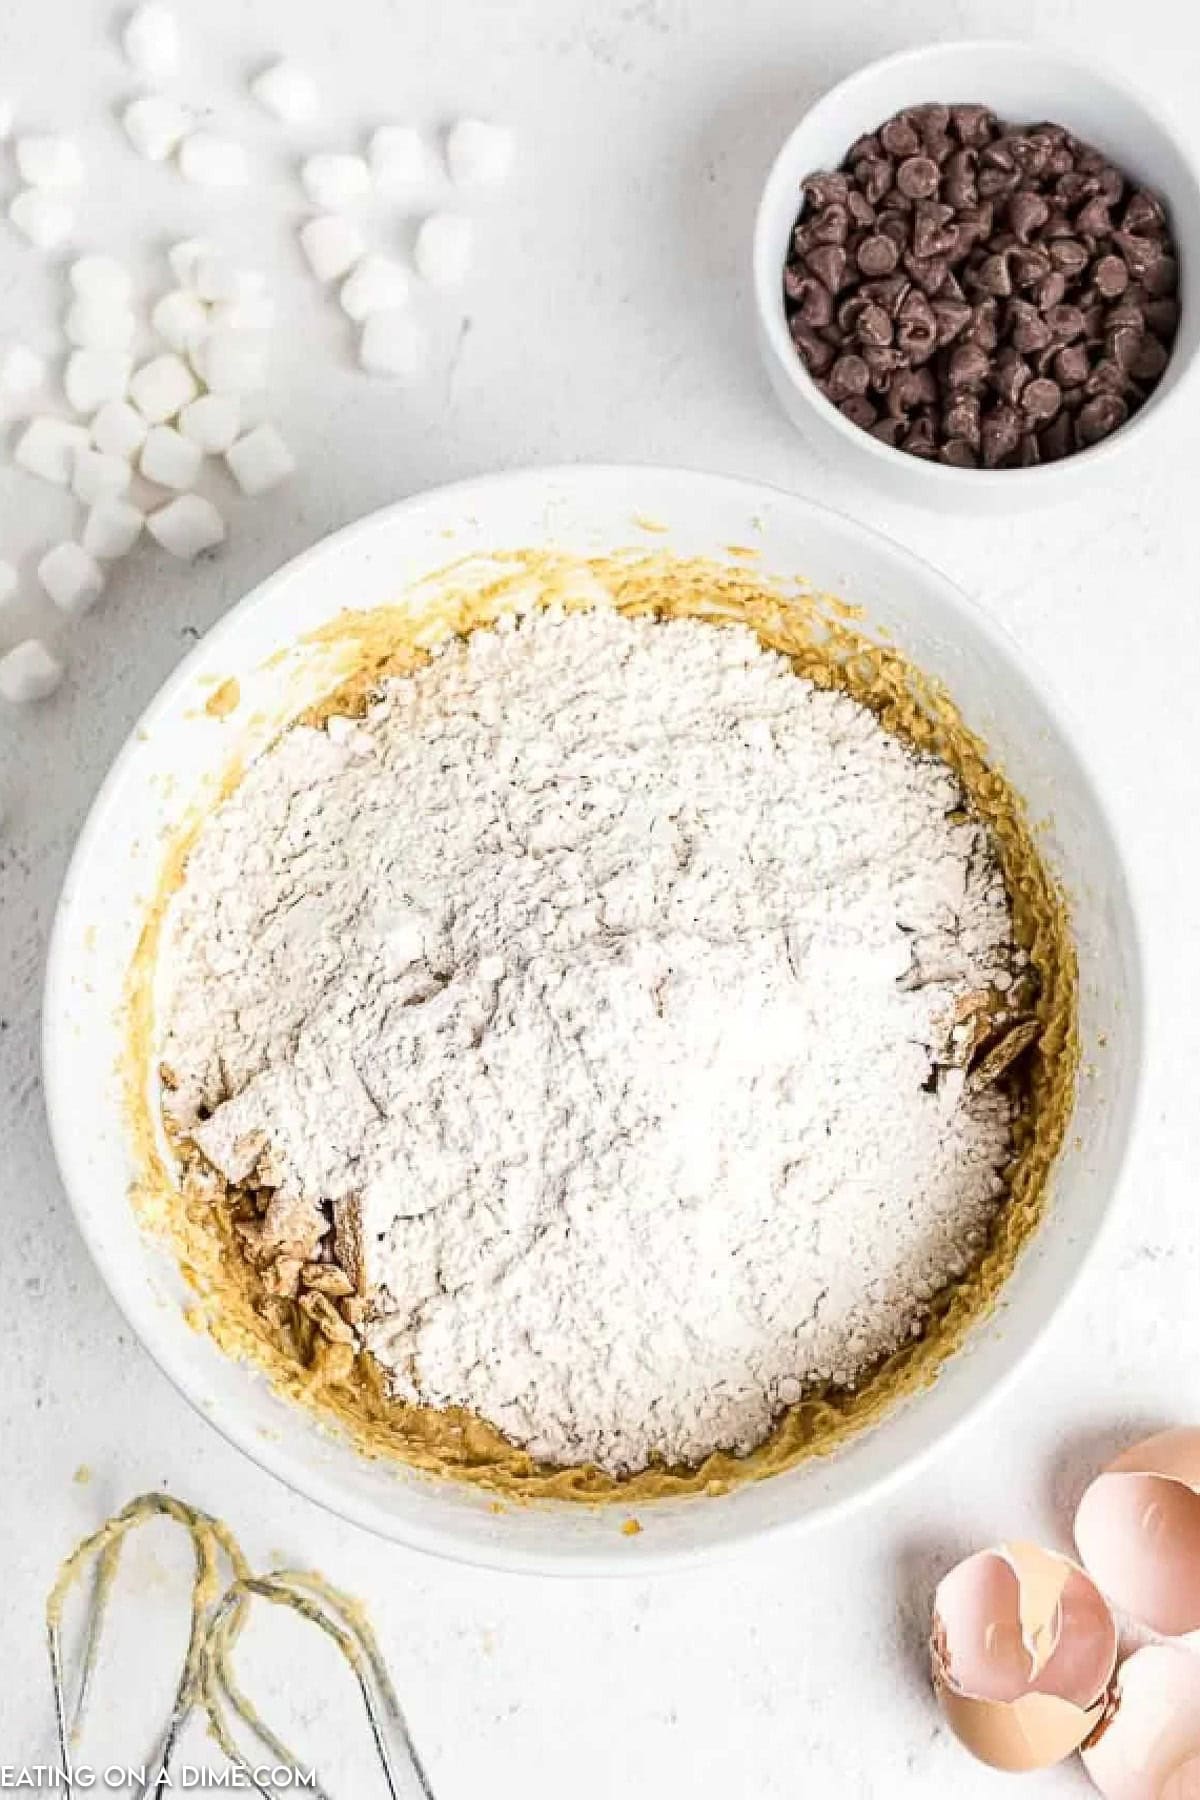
[
  {"x": 161, "y": 387},
  {"x": 252, "y": 312},
  {"x": 156, "y": 126},
  {"x": 333, "y": 180},
  {"x": 99, "y": 476},
  {"x": 180, "y": 319},
  {"x": 151, "y": 41},
  {"x": 119, "y": 429},
  {"x": 260, "y": 460},
  {"x": 215, "y": 278},
  {"x": 212, "y": 161},
  {"x": 73, "y": 579},
  {"x": 400, "y": 159},
  {"x": 49, "y": 162},
  {"x": 478, "y": 154},
  {"x": 231, "y": 362},
  {"x": 22, "y": 370},
  {"x": 332, "y": 246},
  {"x": 112, "y": 529},
  {"x": 47, "y": 448},
  {"x": 29, "y": 672},
  {"x": 183, "y": 258},
  {"x": 187, "y": 526},
  {"x": 42, "y": 218},
  {"x": 393, "y": 343},
  {"x": 288, "y": 92},
  {"x": 99, "y": 323},
  {"x": 374, "y": 285},
  {"x": 93, "y": 377},
  {"x": 442, "y": 251},
  {"x": 9, "y": 582},
  {"x": 212, "y": 422},
  {"x": 169, "y": 458},
  {"x": 100, "y": 278}
]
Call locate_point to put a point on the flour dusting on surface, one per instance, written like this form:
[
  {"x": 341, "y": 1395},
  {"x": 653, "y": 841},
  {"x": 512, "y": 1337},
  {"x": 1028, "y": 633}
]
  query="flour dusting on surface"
[{"x": 592, "y": 1003}]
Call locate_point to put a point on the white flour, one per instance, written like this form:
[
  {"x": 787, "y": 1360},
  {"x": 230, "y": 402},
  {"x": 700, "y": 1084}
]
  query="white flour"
[{"x": 597, "y": 982}]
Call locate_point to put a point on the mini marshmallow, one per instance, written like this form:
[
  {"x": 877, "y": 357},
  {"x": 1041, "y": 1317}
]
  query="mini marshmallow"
[
  {"x": 212, "y": 422},
  {"x": 29, "y": 672},
  {"x": 211, "y": 161},
  {"x": 252, "y": 312},
  {"x": 100, "y": 278},
  {"x": 375, "y": 285},
  {"x": 183, "y": 258},
  {"x": 161, "y": 387},
  {"x": 119, "y": 429},
  {"x": 260, "y": 460},
  {"x": 186, "y": 526},
  {"x": 442, "y": 251},
  {"x": 231, "y": 362},
  {"x": 99, "y": 476},
  {"x": 49, "y": 162},
  {"x": 112, "y": 529},
  {"x": 73, "y": 579},
  {"x": 332, "y": 246},
  {"x": 42, "y": 218},
  {"x": 478, "y": 154},
  {"x": 22, "y": 370},
  {"x": 47, "y": 448},
  {"x": 156, "y": 126},
  {"x": 332, "y": 180},
  {"x": 92, "y": 377},
  {"x": 100, "y": 324},
  {"x": 288, "y": 92},
  {"x": 169, "y": 458},
  {"x": 400, "y": 158},
  {"x": 180, "y": 319},
  {"x": 393, "y": 343},
  {"x": 151, "y": 41},
  {"x": 8, "y": 582}
]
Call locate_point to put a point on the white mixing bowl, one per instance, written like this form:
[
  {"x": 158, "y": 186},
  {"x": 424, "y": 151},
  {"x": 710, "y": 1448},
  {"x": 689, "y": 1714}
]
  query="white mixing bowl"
[{"x": 178, "y": 748}]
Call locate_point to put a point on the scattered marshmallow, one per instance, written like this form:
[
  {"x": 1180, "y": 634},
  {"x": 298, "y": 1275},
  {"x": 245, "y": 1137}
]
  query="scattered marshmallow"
[
  {"x": 73, "y": 579},
  {"x": 332, "y": 245},
  {"x": 180, "y": 318},
  {"x": 8, "y": 582},
  {"x": 49, "y": 162},
  {"x": 399, "y": 158},
  {"x": 161, "y": 387},
  {"x": 478, "y": 154},
  {"x": 288, "y": 92},
  {"x": 99, "y": 476},
  {"x": 29, "y": 672},
  {"x": 93, "y": 377},
  {"x": 151, "y": 41},
  {"x": 156, "y": 126},
  {"x": 99, "y": 323},
  {"x": 215, "y": 279},
  {"x": 41, "y": 217},
  {"x": 112, "y": 529},
  {"x": 442, "y": 251},
  {"x": 212, "y": 422},
  {"x": 100, "y": 278},
  {"x": 119, "y": 429},
  {"x": 211, "y": 161},
  {"x": 393, "y": 343},
  {"x": 187, "y": 526},
  {"x": 376, "y": 284},
  {"x": 169, "y": 458},
  {"x": 333, "y": 179},
  {"x": 251, "y": 312},
  {"x": 22, "y": 371},
  {"x": 184, "y": 257},
  {"x": 47, "y": 448},
  {"x": 231, "y": 362},
  {"x": 260, "y": 460}
]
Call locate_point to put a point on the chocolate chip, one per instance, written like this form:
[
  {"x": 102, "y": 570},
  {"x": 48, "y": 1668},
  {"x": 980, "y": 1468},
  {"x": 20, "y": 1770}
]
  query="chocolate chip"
[
  {"x": 826, "y": 189},
  {"x": 968, "y": 366},
  {"x": 1029, "y": 266},
  {"x": 861, "y": 210},
  {"x": 859, "y": 410},
  {"x": 1066, "y": 323},
  {"x": 849, "y": 375},
  {"x": 889, "y": 431},
  {"x": 877, "y": 255},
  {"x": 975, "y": 125},
  {"x": 899, "y": 136},
  {"x": 930, "y": 236},
  {"x": 1100, "y": 418},
  {"x": 995, "y": 182},
  {"x": 1050, "y": 290},
  {"x": 951, "y": 317},
  {"x": 1009, "y": 375},
  {"x": 1028, "y": 453},
  {"x": 1111, "y": 276},
  {"x": 1041, "y": 400},
  {"x": 1071, "y": 366},
  {"x": 959, "y": 454},
  {"x": 910, "y": 389},
  {"x": 993, "y": 276},
  {"x": 1162, "y": 317},
  {"x": 1163, "y": 277},
  {"x": 1123, "y": 345},
  {"x": 961, "y": 418},
  {"x": 828, "y": 263},
  {"x": 1144, "y": 214},
  {"x": 876, "y": 174},
  {"x": 917, "y": 177},
  {"x": 929, "y": 273},
  {"x": 874, "y": 325},
  {"x": 1026, "y": 212},
  {"x": 1068, "y": 255},
  {"x": 919, "y": 440},
  {"x": 1150, "y": 360},
  {"x": 818, "y": 355},
  {"x": 983, "y": 329},
  {"x": 831, "y": 225},
  {"x": 958, "y": 179},
  {"x": 814, "y": 302},
  {"x": 1094, "y": 219},
  {"x": 999, "y": 434},
  {"x": 1057, "y": 440}
]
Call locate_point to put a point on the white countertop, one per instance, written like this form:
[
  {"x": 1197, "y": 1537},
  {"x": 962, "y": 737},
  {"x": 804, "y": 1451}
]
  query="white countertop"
[{"x": 609, "y": 318}]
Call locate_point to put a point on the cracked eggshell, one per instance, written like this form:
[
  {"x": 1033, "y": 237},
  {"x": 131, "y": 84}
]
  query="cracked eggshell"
[
  {"x": 1149, "y": 1746},
  {"x": 1138, "y": 1533},
  {"x": 1023, "y": 1654}
]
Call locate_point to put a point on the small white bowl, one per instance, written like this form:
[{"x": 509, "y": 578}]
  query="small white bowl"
[{"x": 1022, "y": 83}]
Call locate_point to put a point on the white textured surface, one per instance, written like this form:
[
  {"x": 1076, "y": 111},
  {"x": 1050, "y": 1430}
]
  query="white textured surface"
[{"x": 609, "y": 317}]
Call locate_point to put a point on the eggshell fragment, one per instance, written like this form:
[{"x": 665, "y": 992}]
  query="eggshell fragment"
[
  {"x": 1138, "y": 1532},
  {"x": 1023, "y": 1654},
  {"x": 1149, "y": 1747}
]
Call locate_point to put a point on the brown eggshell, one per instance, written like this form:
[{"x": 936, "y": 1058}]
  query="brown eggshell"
[
  {"x": 1149, "y": 1748},
  {"x": 1138, "y": 1532}
]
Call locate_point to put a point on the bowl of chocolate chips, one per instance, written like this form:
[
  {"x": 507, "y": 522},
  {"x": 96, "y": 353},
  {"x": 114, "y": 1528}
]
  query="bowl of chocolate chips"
[{"x": 974, "y": 273}]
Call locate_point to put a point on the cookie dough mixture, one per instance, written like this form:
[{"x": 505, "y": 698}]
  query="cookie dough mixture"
[{"x": 607, "y": 1033}]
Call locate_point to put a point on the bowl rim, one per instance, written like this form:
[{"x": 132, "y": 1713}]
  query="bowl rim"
[
  {"x": 133, "y": 1296},
  {"x": 767, "y": 278}
]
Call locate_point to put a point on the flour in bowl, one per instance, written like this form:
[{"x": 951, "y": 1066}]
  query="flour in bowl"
[{"x": 584, "y": 1021}]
